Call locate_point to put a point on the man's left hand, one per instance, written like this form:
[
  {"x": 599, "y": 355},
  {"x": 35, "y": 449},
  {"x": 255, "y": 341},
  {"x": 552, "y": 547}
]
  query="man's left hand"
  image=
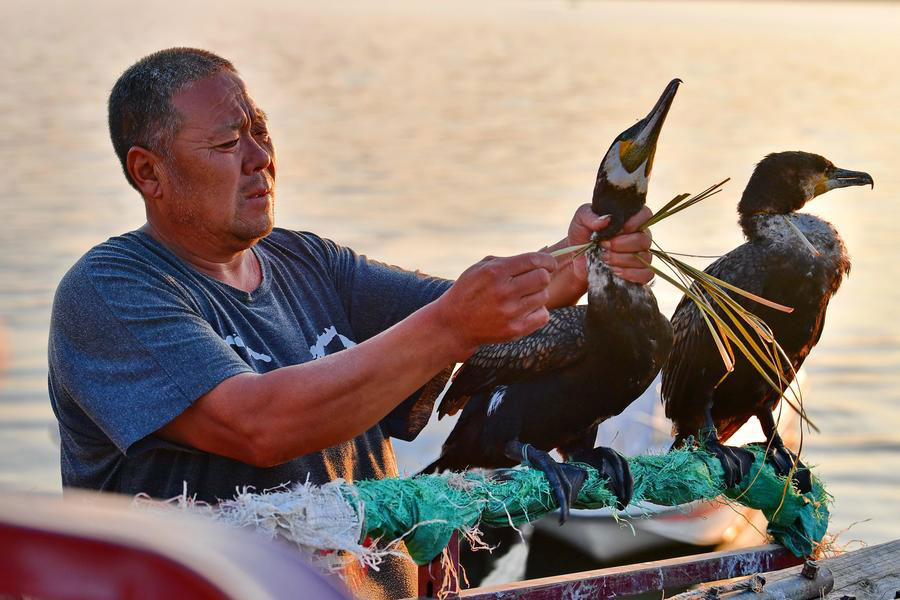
[{"x": 620, "y": 249}]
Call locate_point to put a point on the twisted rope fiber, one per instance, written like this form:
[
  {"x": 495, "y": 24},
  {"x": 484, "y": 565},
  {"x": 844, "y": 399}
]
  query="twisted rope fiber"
[{"x": 424, "y": 511}]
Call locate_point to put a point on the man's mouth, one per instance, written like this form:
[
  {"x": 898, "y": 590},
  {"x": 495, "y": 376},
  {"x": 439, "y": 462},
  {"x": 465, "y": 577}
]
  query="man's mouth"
[{"x": 260, "y": 193}]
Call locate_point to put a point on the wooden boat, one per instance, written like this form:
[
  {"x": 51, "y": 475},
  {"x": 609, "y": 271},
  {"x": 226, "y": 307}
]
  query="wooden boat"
[{"x": 766, "y": 573}]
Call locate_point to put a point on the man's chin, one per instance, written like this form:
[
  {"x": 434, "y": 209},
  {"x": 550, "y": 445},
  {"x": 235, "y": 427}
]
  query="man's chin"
[
  {"x": 255, "y": 225},
  {"x": 251, "y": 236},
  {"x": 255, "y": 231}
]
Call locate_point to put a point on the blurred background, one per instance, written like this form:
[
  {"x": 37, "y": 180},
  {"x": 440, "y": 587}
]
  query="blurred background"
[{"x": 431, "y": 134}]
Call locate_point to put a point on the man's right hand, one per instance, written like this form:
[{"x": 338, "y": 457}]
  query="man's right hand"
[{"x": 497, "y": 300}]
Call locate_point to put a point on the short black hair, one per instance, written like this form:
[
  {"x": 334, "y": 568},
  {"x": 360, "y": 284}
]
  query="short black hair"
[{"x": 140, "y": 103}]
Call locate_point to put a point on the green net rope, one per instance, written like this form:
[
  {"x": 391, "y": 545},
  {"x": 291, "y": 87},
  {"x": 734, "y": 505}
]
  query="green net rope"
[{"x": 427, "y": 509}]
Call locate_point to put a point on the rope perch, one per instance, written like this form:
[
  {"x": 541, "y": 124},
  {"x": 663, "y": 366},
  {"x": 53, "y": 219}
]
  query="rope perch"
[
  {"x": 424, "y": 511},
  {"x": 465, "y": 501}
]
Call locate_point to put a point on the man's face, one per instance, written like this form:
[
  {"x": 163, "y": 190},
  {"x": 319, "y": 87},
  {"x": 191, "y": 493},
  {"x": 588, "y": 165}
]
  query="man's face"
[{"x": 222, "y": 165}]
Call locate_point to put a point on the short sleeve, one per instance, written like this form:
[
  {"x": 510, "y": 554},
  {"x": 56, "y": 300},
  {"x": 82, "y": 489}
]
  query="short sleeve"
[
  {"x": 376, "y": 296},
  {"x": 129, "y": 348}
]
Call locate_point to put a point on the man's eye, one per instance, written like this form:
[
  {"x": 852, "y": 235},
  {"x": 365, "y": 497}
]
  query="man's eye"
[
  {"x": 262, "y": 135},
  {"x": 230, "y": 144}
]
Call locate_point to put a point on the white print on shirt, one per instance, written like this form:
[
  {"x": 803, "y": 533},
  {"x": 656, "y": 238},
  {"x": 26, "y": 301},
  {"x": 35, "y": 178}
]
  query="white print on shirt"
[
  {"x": 235, "y": 340},
  {"x": 318, "y": 350}
]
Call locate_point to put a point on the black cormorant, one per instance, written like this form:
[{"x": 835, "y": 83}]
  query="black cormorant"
[
  {"x": 550, "y": 389},
  {"x": 774, "y": 263}
]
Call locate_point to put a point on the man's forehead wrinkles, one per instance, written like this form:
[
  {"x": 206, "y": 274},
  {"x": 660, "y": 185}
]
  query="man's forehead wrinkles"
[
  {"x": 230, "y": 114},
  {"x": 243, "y": 101},
  {"x": 219, "y": 114},
  {"x": 230, "y": 103}
]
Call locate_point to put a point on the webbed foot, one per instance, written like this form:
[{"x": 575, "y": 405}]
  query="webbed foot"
[
  {"x": 736, "y": 462},
  {"x": 783, "y": 460},
  {"x": 565, "y": 480},
  {"x": 612, "y": 465}
]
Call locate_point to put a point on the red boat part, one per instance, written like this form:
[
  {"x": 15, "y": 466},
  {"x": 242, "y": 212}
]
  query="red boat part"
[{"x": 98, "y": 547}]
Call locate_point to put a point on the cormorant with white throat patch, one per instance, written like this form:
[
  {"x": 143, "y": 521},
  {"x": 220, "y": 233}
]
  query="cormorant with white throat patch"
[
  {"x": 550, "y": 390},
  {"x": 777, "y": 264}
]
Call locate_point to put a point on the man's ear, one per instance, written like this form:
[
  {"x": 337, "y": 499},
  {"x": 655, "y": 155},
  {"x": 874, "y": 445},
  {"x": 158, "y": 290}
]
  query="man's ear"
[{"x": 145, "y": 168}]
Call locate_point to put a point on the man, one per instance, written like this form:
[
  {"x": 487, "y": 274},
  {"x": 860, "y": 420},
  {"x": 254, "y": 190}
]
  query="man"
[{"x": 200, "y": 349}]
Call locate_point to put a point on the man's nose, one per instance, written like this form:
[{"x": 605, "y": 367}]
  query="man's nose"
[{"x": 258, "y": 157}]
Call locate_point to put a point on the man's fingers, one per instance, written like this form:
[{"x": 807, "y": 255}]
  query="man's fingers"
[
  {"x": 586, "y": 217},
  {"x": 531, "y": 322},
  {"x": 637, "y": 219},
  {"x": 584, "y": 223},
  {"x": 532, "y": 281},
  {"x": 535, "y": 301},
  {"x": 629, "y": 242},
  {"x": 630, "y": 260},
  {"x": 636, "y": 275},
  {"x": 523, "y": 263},
  {"x": 501, "y": 298}
]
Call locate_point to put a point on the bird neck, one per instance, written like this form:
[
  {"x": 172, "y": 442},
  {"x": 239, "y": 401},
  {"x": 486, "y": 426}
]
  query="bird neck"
[
  {"x": 756, "y": 225},
  {"x": 620, "y": 203},
  {"x": 803, "y": 231},
  {"x": 605, "y": 288}
]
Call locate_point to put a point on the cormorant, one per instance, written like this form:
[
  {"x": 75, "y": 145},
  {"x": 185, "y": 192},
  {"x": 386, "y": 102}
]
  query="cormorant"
[
  {"x": 550, "y": 389},
  {"x": 774, "y": 263}
]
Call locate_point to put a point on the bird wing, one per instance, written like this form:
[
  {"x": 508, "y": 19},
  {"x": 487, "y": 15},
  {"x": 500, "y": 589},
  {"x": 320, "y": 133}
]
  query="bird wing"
[
  {"x": 558, "y": 343},
  {"x": 693, "y": 349},
  {"x": 409, "y": 417}
]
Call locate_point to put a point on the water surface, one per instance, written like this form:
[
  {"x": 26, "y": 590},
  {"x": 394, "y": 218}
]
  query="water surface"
[{"x": 432, "y": 134}]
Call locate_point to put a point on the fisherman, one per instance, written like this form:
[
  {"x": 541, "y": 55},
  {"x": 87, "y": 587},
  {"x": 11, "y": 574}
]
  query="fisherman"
[{"x": 209, "y": 351}]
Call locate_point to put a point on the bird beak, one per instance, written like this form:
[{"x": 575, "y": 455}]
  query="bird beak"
[
  {"x": 638, "y": 144},
  {"x": 843, "y": 178}
]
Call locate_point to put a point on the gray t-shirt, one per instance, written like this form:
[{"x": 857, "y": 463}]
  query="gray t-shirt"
[{"x": 137, "y": 335}]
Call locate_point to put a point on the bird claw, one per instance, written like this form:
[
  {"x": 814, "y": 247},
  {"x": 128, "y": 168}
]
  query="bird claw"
[
  {"x": 501, "y": 475},
  {"x": 614, "y": 467},
  {"x": 783, "y": 461},
  {"x": 575, "y": 478},
  {"x": 565, "y": 480},
  {"x": 736, "y": 462}
]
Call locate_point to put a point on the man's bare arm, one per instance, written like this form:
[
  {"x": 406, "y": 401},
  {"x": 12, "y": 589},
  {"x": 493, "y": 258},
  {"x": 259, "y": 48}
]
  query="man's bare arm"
[{"x": 267, "y": 419}]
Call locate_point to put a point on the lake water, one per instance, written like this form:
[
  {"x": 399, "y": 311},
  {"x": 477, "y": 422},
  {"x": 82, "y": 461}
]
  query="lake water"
[{"x": 432, "y": 134}]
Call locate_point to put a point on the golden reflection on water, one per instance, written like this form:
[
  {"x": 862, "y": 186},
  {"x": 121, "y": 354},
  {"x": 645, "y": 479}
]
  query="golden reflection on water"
[{"x": 430, "y": 135}]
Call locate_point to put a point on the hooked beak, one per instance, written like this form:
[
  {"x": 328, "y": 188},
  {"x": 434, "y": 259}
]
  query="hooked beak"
[
  {"x": 638, "y": 143},
  {"x": 843, "y": 178}
]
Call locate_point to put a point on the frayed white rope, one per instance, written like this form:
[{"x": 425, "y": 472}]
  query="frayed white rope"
[
  {"x": 325, "y": 522},
  {"x": 319, "y": 520}
]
